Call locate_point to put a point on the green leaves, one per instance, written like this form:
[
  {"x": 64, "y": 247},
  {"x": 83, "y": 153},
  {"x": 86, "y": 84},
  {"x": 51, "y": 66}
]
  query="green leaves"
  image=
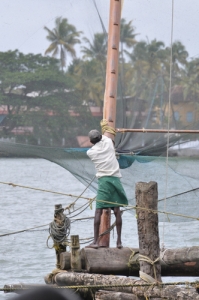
[{"x": 63, "y": 39}]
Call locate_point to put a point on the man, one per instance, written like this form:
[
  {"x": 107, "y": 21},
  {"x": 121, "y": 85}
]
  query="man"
[{"x": 110, "y": 190}]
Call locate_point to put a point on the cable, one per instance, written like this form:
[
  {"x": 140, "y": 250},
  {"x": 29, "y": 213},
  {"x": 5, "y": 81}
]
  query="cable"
[{"x": 168, "y": 136}]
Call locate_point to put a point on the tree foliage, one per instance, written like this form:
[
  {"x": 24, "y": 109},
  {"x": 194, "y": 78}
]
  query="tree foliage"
[
  {"x": 56, "y": 103},
  {"x": 35, "y": 94},
  {"x": 63, "y": 39}
]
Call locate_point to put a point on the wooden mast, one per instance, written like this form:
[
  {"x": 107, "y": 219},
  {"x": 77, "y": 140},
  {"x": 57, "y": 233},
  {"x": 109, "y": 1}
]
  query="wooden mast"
[{"x": 110, "y": 95}]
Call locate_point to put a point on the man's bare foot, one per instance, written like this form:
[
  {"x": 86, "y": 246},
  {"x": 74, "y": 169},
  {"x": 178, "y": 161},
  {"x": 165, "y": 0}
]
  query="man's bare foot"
[
  {"x": 94, "y": 246},
  {"x": 119, "y": 245}
]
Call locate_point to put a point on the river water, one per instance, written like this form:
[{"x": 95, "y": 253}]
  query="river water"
[{"x": 25, "y": 257}]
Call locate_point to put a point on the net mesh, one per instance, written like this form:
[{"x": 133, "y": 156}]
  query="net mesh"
[{"x": 51, "y": 100}]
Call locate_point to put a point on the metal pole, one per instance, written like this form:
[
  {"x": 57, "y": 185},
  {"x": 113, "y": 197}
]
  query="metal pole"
[{"x": 110, "y": 95}]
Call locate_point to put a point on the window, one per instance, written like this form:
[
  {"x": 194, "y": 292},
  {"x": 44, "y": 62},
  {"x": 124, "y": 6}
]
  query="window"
[
  {"x": 176, "y": 115},
  {"x": 189, "y": 116}
]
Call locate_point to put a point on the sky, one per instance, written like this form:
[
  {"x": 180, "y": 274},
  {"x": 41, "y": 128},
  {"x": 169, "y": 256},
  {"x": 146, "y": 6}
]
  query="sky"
[{"x": 22, "y": 21}]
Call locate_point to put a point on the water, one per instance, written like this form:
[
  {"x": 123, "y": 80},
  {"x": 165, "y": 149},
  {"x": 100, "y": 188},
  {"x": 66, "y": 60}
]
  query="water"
[{"x": 25, "y": 257}]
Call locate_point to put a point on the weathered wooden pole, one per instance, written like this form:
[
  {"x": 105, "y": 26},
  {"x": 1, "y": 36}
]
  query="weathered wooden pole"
[
  {"x": 125, "y": 261},
  {"x": 104, "y": 240},
  {"x": 84, "y": 282},
  {"x": 75, "y": 254},
  {"x": 110, "y": 95},
  {"x": 145, "y": 130},
  {"x": 59, "y": 218},
  {"x": 147, "y": 221}
]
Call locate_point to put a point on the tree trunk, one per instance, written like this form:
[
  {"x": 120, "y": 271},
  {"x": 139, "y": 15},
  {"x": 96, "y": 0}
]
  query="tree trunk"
[
  {"x": 125, "y": 261},
  {"x": 147, "y": 221},
  {"x": 170, "y": 292},
  {"x": 107, "y": 295},
  {"x": 109, "y": 260}
]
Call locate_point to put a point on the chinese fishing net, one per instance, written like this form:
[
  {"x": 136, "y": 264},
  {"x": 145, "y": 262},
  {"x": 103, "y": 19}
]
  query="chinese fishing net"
[{"x": 51, "y": 96}]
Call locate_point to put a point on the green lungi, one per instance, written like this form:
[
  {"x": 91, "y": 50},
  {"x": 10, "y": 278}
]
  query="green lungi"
[{"x": 111, "y": 190}]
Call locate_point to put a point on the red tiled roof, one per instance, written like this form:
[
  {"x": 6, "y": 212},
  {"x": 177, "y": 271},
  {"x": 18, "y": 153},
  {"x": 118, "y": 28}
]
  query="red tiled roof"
[{"x": 83, "y": 141}]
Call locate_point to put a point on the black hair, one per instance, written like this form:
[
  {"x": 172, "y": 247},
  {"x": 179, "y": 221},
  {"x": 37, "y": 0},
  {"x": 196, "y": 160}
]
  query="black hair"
[{"x": 96, "y": 140}]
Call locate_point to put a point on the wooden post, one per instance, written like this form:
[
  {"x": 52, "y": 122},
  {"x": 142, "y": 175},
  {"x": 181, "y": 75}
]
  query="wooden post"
[
  {"x": 110, "y": 95},
  {"x": 104, "y": 241},
  {"x": 75, "y": 254},
  {"x": 59, "y": 220},
  {"x": 147, "y": 221}
]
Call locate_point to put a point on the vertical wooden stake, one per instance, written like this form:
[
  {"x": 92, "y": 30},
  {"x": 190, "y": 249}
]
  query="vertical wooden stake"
[
  {"x": 147, "y": 221},
  {"x": 59, "y": 220},
  {"x": 75, "y": 254},
  {"x": 104, "y": 241}
]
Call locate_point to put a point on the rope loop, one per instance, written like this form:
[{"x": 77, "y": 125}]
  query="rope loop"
[
  {"x": 106, "y": 128},
  {"x": 59, "y": 231},
  {"x": 145, "y": 276}
]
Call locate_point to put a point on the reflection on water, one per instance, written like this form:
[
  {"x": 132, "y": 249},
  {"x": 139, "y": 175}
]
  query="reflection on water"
[{"x": 25, "y": 256}]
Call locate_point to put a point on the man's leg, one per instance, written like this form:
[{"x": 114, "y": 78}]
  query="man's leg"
[
  {"x": 97, "y": 219},
  {"x": 118, "y": 217}
]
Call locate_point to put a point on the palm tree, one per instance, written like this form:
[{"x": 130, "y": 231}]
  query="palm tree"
[
  {"x": 179, "y": 59},
  {"x": 191, "y": 81},
  {"x": 127, "y": 38},
  {"x": 147, "y": 60},
  {"x": 63, "y": 38},
  {"x": 97, "y": 50},
  {"x": 127, "y": 35},
  {"x": 89, "y": 81}
]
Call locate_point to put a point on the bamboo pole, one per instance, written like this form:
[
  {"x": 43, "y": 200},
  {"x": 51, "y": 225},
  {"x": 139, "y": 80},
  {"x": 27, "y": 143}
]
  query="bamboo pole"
[
  {"x": 110, "y": 95},
  {"x": 145, "y": 130}
]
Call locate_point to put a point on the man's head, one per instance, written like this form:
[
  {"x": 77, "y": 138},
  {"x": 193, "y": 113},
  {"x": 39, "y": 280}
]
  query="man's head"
[{"x": 94, "y": 136}]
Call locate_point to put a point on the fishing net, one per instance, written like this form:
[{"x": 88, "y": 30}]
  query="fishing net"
[{"x": 51, "y": 95}]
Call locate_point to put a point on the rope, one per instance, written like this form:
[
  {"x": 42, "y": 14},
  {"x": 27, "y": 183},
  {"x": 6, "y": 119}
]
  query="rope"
[
  {"x": 59, "y": 230},
  {"x": 41, "y": 190},
  {"x": 80, "y": 196},
  {"x": 102, "y": 234},
  {"x": 87, "y": 205},
  {"x": 168, "y": 136},
  {"x": 133, "y": 259},
  {"x": 106, "y": 128},
  {"x": 153, "y": 211},
  {"x": 121, "y": 205},
  {"x": 15, "y": 232},
  {"x": 32, "y": 228},
  {"x": 145, "y": 276},
  {"x": 162, "y": 253},
  {"x": 159, "y": 284}
]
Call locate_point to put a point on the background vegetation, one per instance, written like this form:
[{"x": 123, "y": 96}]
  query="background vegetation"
[{"x": 53, "y": 98}]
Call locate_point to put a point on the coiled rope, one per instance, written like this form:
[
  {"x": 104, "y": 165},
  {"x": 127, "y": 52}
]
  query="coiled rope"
[
  {"x": 59, "y": 231},
  {"x": 106, "y": 128}
]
